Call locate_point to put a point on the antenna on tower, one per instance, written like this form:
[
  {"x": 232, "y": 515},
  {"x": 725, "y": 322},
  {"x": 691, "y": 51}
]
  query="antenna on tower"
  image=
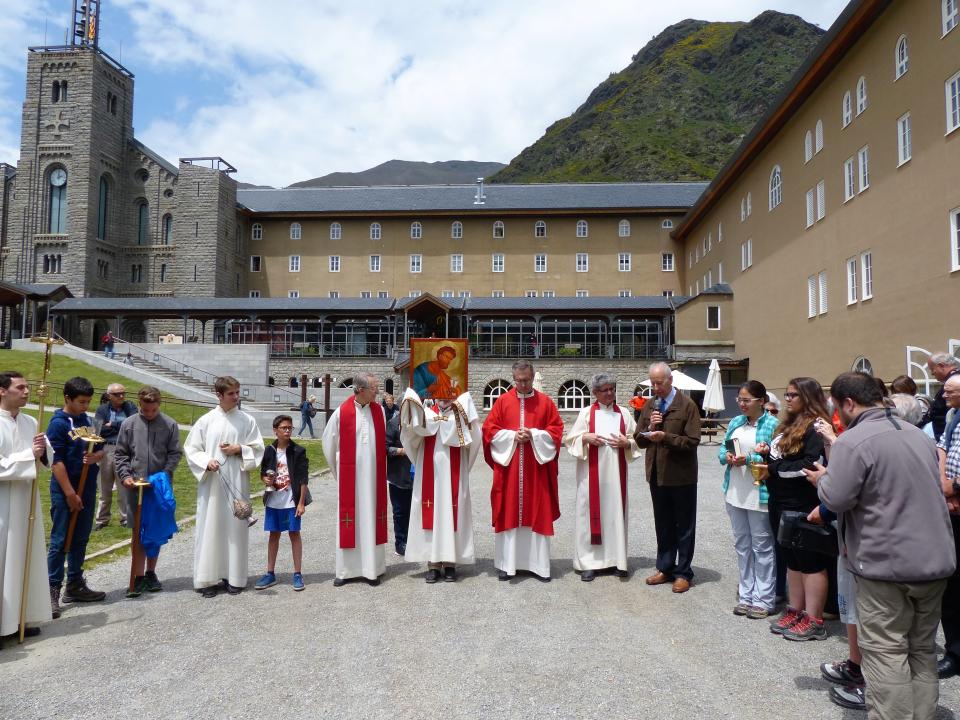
[{"x": 86, "y": 23}]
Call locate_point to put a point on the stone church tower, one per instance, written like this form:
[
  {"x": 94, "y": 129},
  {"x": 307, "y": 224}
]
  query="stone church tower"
[{"x": 94, "y": 209}]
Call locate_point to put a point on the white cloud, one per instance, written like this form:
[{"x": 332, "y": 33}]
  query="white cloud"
[{"x": 314, "y": 87}]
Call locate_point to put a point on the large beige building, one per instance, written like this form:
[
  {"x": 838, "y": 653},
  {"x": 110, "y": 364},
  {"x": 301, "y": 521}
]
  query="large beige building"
[{"x": 837, "y": 222}]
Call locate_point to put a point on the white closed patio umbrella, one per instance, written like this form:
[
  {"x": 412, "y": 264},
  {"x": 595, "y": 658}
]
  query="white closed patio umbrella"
[{"x": 713, "y": 396}]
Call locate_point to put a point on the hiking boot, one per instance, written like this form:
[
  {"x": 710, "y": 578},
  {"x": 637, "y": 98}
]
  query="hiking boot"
[
  {"x": 741, "y": 609},
  {"x": 807, "y": 628},
  {"x": 298, "y": 581},
  {"x": 787, "y": 620},
  {"x": 152, "y": 582},
  {"x": 139, "y": 587},
  {"x": 77, "y": 591},
  {"x": 758, "y": 613},
  {"x": 851, "y": 697},
  {"x": 842, "y": 673},
  {"x": 55, "y": 601},
  {"x": 268, "y": 579}
]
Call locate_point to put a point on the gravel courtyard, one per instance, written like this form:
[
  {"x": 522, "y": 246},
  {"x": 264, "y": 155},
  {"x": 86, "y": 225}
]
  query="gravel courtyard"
[{"x": 475, "y": 649}]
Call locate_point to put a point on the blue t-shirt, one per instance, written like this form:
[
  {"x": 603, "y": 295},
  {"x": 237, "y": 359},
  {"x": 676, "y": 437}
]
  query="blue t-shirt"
[{"x": 70, "y": 452}]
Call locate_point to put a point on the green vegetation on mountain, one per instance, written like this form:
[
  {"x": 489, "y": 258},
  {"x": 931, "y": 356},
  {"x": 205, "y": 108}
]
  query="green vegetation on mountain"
[{"x": 678, "y": 111}]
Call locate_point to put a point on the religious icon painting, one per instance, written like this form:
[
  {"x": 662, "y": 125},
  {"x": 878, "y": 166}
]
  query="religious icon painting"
[{"x": 438, "y": 367}]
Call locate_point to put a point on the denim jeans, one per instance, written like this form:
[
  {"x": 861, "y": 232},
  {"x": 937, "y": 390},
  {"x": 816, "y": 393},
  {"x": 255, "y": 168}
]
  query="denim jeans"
[
  {"x": 305, "y": 422},
  {"x": 60, "y": 517},
  {"x": 400, "y": 499}
]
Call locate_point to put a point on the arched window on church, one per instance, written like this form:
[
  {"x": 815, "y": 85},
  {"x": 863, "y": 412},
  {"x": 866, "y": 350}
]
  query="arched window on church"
[
  {"x": 573, "y": 395},
  {"x": 63, "y": 90},
  {"x": 113, "y": 105},
  {"x": 167, "y": 229},
  {"x": 102, "y": 208},
  {"x": 55, "y": 91},
  {"x": 143, "y": 223},
  {"x": 493, "y": 390},
  {"x": 57, "y": 210}
]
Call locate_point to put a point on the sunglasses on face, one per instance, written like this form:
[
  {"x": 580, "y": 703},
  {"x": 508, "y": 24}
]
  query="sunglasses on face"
[{"x": 790, "y": 396}]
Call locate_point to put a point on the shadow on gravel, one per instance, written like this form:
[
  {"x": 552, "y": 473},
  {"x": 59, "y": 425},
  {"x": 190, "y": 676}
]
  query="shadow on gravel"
[
  {"x": 54, "y": 630},
  {"x": 807, "y": 682}
]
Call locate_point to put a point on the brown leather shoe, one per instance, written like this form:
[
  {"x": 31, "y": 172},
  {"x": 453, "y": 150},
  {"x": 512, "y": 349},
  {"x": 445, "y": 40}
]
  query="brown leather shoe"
[
  {"x": 658, "y": 578},
  {"x": 681, "y": 585}
]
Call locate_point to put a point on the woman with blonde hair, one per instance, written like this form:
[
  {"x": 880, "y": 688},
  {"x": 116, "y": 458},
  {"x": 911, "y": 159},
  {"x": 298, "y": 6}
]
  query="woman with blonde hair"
[{"x": 797, "y": 445}]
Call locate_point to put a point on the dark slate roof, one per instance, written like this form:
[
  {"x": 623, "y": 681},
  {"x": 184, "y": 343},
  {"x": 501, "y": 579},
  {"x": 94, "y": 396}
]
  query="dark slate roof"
[
  {"x": 161, "y": 161},
  {"x": 222, "y": 307},
  {"x": 33, "y": 291},
  {"x": 567, "y": 304},
  {"x": 8, "y": 170},
  {"x": 460, "y": 198},
  {"x": 718, "y": 289}
]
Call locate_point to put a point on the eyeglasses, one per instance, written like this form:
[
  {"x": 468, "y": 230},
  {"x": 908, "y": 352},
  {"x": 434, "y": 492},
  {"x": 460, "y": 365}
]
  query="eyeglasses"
[
  {"x": 773, "y": 411},
  {"x": 285, "y": 428},
  {"x": 747, "y": 401},
  {"x": 790, "y": 396},
  {"x": 119, "y": 394}
]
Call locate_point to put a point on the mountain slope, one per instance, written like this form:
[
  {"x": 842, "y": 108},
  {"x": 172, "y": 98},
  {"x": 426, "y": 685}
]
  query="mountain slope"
[
  {"x": 406, "y": 172},
  {"x": 678, "y": 110}
]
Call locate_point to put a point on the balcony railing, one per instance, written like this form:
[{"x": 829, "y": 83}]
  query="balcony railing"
[
  {"x": 571, "y": 350},
  {"x": 344, "y": 349}
]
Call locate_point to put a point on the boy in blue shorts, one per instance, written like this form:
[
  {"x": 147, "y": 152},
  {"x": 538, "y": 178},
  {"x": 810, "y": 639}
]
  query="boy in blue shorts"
[{"x": 284, "y": 473}]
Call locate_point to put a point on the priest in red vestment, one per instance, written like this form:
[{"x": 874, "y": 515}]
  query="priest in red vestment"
[{"x": 521, "y": 439}]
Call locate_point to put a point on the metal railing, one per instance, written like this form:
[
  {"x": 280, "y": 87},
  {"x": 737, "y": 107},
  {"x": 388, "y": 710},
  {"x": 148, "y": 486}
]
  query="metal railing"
[
  {"x": 344, "y": 349},
  {"x": 570, "y": 350}
]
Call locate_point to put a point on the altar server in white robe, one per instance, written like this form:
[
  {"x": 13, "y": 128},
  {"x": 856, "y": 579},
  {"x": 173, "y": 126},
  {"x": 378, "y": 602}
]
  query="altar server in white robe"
[
  {"x": 602, "y": 441},
  {"x": 355, "y": 445},
  {"x": 222, "y": 449},
  {"x": 442, "y": 440},
  {"x": 20, "y": 448}
]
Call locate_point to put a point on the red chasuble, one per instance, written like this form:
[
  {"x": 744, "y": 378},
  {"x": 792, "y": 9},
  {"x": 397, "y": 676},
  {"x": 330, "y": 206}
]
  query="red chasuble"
[
  {"x": 541, "y": 497},
  {"x": 593, "y": 466},
  {"x": 348, "y": 474}
]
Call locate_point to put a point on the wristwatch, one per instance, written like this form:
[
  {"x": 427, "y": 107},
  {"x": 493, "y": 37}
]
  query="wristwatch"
[{"x": 956, "y": 488}]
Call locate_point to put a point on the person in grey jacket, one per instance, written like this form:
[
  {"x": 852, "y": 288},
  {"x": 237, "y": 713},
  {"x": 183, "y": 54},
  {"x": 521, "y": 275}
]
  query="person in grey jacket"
[
  {"x": 399, "y": 483},
  {"x": 148, "y": 442},
  {"x": 895, "y": 534}
]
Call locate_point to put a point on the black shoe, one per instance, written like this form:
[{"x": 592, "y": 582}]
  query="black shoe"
[
  {"x": 153, "y": 582},
  {"x": 211, "y": 591},
  {"x": 502, "y": 575},
  {"x": 450, "y": 574},
  {"x": 100, "y": 526},
  {"x": 622, "y": 574},
  {"x": 947, "y": 667},
  {"x": 78, "y": 592},
  {"x": 588, "y": 575},
  {"x": 432, "y": 576},
  {"x": 851, "y": 696},
  {"x": 400, "y": 549},
  {"x": 374, "y": 582},
  {"x": 542, "y": 579},
  {"x": 339, "y": 582},
  {"x": 233, "y": 589}
]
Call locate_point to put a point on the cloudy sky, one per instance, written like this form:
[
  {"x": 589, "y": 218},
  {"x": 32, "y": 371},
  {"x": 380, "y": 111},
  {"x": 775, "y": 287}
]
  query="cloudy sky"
[{"x": 292, "y": 89}]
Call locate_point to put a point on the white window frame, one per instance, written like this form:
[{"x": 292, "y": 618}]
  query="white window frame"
[
  {"x": 811, "y": 207},
  {"x": 583, "y": 229},
  {"x": 821, "y": 200},
  {"x": 456, "y": 262},
  {"x": 416, "y": 230},
  {"x": 497, "y": 294},
  {"x": 812, "y": 296},
  {"x": 334, "y": 264},
  {"x": 529, "y": 293},
  {"x": 258, "y": 261},
  {"x": 446, "y": 294},
  {"x": 293, "y": 263},
  {"x": 667, "y": 263},
  {"x": 776, "y": 188},
  {"x": 625, "y": 294},
  {"x": 540, "y": 229},
  {"x": 853, "y": 281},
  {"x": 950, "y": 12},
  {"x": 862, "y": 101},
  {"x": 823, "y": 292},
  {"x": 365, "y": 295},
  {"x": 709, "y": 308},
  {"x": 499, "y": 230},
  {"x": 381, "y": 294},
  {"x": 256, "y": 231},
  {"x": 818, "y": 136},
  {"x": 293, "y": 294},
  {"x": 254, "y": 294},
  {"x": 582, "y": 263},
  {"x": 666, "y": 293},
  {"x": 719, "y": 232},
  {"x": 904, "y": 140},
  {"x": 849, "y": 180},
  {"x": 863, "y": 171},
  {"x": 955, "y": 239},
  {"x": 866, "y": 274},
  {"x": 415, "y": 293},
  {"x": 624, "y": 262},
  {"x": 807, "y": 147},
  {"x": 456, "y": 230},
  {"x": 623, "y": 228},
  {"x": 336, "y": 231},
  {"x": 720, "y": 273},
  {"x": 416, "y": 263},
  {"x": 846, "y": 110},
  {"x": 540, "y": 263},
  {"x": 583, "y": 293},
  {"x": 951, "y": 90},
  {"x": 374, "y": 263},
  {"x": 901, "y": 57},
  {"x": 296, "y": 231},
  {"x": 376, "y": 231},
  {"x": 498, "y": 263},
  {"x": 333, "y": 294},
  {"x": 749, "y": 204},
  {"x": 667, "y": 224},
  {"x": 746, "y": 254},
  {"x": 743, "y": 209},
  {"x": 465, "y": 294},
  {"x": 548, "y": 293}
]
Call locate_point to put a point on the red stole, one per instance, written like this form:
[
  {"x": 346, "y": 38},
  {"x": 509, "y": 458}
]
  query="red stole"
[
  {"x": 593, "y": 463},
  {"x": 348, "y": 475},
  {"x": 427, "y": 482}
]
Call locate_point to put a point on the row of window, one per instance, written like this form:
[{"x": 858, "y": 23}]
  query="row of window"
[
  {"x": 456, "y": 230},
  {"x": 498, "y": 263},
  {"x": 136, "y": 272},
  {"x": 859, "y": 272},
  {"x": 447, "y": 294}
]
